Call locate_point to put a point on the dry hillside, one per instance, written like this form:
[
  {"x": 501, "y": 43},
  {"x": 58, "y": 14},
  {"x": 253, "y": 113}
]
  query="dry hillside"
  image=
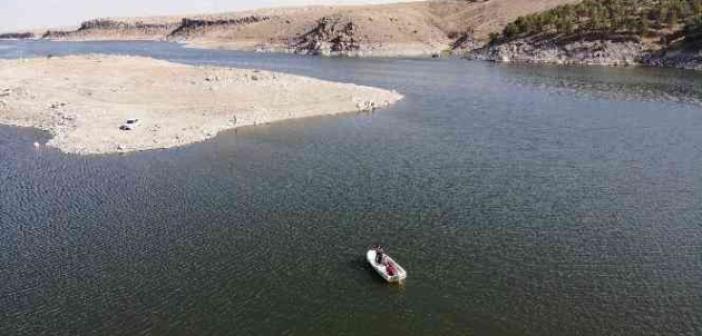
[{"x": 417, "y": 28}]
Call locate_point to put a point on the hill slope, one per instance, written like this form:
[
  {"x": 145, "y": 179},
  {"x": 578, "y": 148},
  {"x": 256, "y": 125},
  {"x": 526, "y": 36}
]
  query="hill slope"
[
  {"x": 609, "y": 32},
  {"x": 417, "y": 28}
]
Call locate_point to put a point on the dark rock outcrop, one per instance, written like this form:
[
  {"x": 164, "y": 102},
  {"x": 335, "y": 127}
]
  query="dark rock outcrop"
[
  {"x": 676, "y": 57},
  {"x": 577, "y": 48},
  {"x": 331, "y": 36},
  {"x": 100, "y": 26},
  {"x": 191, "y": 26},
  {"x": 16, "y": 36},
  {"x": 464, "y": 41},
  {"x": 609, "y": 50},
  {"x": 106, "y": 24},
  {"x": 582, "y": 52},
  {"x": 57, "y": 34}
]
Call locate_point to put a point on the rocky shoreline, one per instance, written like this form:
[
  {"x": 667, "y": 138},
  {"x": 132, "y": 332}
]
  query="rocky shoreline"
[
  {"x": 679, "y": 59},
  {"x": 622, "y": 52}
]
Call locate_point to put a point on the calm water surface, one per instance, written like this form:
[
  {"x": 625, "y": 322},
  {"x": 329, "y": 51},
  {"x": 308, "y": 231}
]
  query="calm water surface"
[{"x": 523, "y": 200}]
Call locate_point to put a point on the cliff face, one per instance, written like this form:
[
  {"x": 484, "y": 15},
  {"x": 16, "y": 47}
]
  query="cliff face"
[
  {"x": 190, "y": 28},
  {"x": 107, "y": 29},
  {"x": 612, "y": 51},
  {"x": 606, "y": 52},
  {"x": 414, "y": 28}
]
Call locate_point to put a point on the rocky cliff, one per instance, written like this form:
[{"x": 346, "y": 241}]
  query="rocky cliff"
[
  {"x": 190, "y": 28},
  {"x": 610, "y": 51},
  {"x": 605, "y": 52},
  {"x": 331, "y": 36},
  {"x": 108, "y": 29}
]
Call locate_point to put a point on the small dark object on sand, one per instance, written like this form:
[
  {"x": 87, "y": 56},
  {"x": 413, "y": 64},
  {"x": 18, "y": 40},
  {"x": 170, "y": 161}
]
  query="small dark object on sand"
[{"x": 129, "y": 125}]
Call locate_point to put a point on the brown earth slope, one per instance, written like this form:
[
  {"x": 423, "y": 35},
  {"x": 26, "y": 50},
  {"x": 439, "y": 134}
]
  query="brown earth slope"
[{"x": 416, "y": 28}]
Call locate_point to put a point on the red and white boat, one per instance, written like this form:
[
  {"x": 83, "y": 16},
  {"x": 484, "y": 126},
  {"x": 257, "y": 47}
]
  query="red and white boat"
[{"x": 382, "y": 268}]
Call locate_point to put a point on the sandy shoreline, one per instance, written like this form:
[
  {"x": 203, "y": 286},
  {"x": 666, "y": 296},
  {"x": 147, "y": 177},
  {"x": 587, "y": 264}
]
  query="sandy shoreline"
[{"x": 83, "y": 100}]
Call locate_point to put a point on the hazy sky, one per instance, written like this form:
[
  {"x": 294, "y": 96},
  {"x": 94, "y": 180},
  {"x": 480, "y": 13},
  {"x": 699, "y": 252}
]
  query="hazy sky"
[{"x": 24, "y": 14}]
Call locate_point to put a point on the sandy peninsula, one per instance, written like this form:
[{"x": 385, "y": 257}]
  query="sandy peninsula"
[{"x": 85, "y": 100}]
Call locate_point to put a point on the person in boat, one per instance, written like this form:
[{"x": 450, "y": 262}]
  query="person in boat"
[
  {"x": 379, "y": 254},
  {"x": 390, "y": 268}
]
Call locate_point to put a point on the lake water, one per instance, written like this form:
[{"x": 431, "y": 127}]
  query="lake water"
[{"x": 522, "y": 200}]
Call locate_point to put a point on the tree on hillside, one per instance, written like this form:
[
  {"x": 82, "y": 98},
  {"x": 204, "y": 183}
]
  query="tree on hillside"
[{"x": 633, "y": 17}]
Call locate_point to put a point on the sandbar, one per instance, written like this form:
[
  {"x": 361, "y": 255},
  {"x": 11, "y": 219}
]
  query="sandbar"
[{"x": 85, "y": 100}]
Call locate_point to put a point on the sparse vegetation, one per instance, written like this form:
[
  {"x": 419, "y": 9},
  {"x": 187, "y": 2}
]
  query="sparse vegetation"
[{"x": 666, "y": 20}]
